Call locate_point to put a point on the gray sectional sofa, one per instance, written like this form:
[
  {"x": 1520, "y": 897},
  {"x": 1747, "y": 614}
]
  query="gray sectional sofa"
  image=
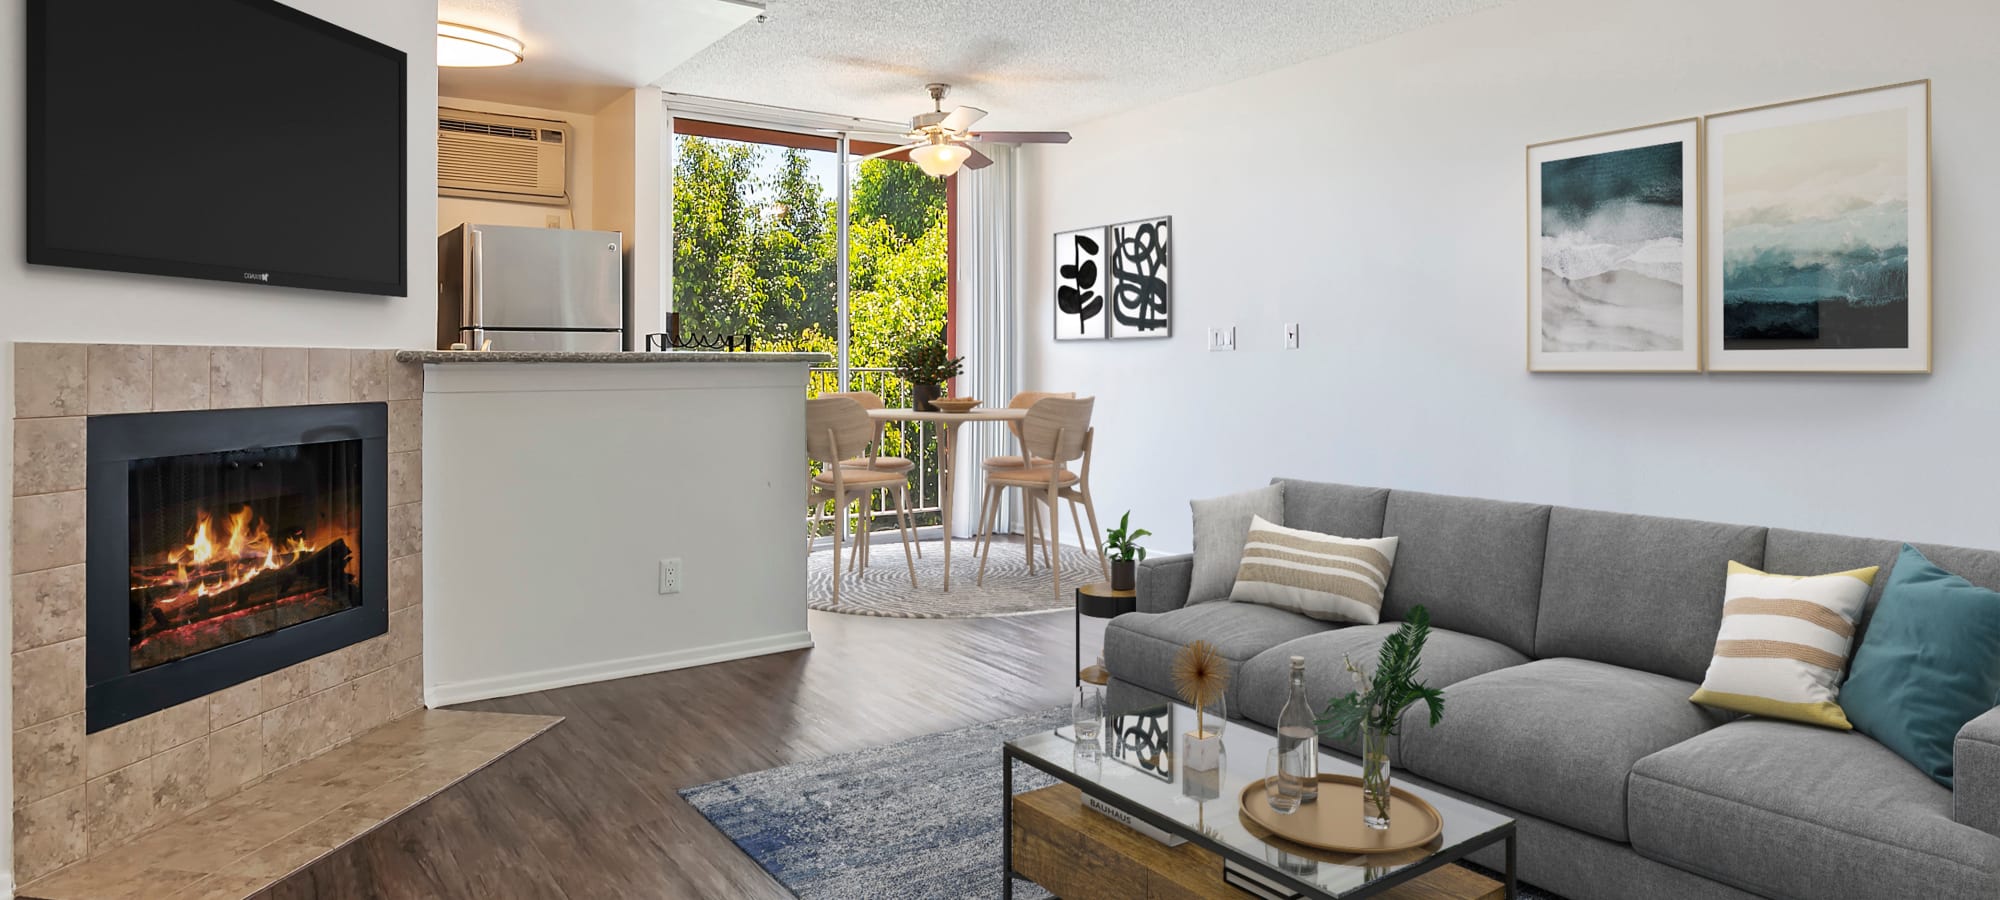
[{"x": 1568, "y": 642}]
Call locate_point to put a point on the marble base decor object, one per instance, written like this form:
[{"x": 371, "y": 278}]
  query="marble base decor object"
[{"x": 1200, "y": 677}]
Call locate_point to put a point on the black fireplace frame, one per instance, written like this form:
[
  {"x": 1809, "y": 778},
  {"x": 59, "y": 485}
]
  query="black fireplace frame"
[{"x": 113, "y": 692}]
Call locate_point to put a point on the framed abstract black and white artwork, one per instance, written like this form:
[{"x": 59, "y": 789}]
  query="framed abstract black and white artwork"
[
  {"x": 1613, "y": 254},
  {"x": 1080, "y": 289},
  {"x": 1141, "y": 281}
]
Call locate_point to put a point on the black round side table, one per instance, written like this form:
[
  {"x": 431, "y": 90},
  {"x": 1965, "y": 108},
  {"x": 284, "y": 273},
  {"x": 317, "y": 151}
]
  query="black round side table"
[{"x": 1099, "y": 601}]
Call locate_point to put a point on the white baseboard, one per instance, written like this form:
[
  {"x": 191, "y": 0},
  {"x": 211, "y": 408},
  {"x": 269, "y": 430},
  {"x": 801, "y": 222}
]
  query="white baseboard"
[{"x": 588, "y": 673}]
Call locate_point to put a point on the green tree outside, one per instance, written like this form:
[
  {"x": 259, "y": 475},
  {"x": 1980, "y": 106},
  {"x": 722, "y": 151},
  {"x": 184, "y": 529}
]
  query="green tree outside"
[{"x": 754, "y": 245}]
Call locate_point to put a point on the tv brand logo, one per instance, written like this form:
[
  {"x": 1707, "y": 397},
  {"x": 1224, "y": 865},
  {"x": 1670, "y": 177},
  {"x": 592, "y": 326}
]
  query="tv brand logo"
[{"x": 257, "y": 276}]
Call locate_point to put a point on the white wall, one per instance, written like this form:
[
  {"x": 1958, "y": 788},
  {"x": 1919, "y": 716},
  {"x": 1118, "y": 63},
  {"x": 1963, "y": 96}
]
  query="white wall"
[
  {"x": 1376, "y": 197},
  {"x": 455, "y": 211},
  {"x": 51, "y": 304},
  {"x": 631, "y": 198},
  {"x": 541, "y": 561}
]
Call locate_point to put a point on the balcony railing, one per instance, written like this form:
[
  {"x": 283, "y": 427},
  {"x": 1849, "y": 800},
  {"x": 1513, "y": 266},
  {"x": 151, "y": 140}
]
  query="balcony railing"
[{"x": 916, "y": 440}]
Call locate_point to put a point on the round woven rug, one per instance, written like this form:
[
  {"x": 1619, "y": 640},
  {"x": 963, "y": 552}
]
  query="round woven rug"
[{"x": 884, "y": 589}]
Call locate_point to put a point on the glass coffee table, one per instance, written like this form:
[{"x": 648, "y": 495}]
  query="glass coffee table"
[{"x": 1132, "y": 769}]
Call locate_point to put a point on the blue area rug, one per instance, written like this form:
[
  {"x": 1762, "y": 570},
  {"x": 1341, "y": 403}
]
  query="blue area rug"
[{"x": 915, "y": 820}]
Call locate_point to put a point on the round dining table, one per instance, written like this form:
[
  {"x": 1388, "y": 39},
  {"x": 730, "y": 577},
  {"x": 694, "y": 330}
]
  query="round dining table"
[{"x": 948, "y": 439}]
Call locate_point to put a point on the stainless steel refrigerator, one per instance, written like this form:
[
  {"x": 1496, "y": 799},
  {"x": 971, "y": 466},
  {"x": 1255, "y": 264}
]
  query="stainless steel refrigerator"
[{"x": 531, "y": 288}]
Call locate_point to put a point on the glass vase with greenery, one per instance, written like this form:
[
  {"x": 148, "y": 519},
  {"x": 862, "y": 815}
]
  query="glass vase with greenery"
[
  {"x": 1375, "y": 709},
  {"x": 927, "y": 364},
  {"x": 1126, "y": 554}
]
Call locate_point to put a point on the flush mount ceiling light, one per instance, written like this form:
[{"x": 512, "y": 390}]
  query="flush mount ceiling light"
[{"x": 466, "y": 47}]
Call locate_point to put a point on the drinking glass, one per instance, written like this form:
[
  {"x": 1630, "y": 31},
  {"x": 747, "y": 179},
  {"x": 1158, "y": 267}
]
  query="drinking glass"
[
  {"x": 1282, "y": 785},
  {"x": 1087, "y": 714}
]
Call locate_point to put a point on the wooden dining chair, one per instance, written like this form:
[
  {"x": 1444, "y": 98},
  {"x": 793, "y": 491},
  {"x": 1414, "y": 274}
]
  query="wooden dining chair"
[
  {"x": 1055, "y": 433},
  {"x": 1022, "y": 400},
  {"x": 873, "y": 460},
  {"x": 1026, "y": 400},
  {"x": 836, "y": 429}
]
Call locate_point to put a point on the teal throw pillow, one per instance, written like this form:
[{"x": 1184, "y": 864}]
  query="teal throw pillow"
[{"x": 1928, "y": 664}]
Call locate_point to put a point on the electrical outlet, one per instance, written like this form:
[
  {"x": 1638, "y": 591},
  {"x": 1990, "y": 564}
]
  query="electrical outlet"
[
  {"x": 1222, "y": 338},
  {"x": 670, "y": 576},
  {"x": 1291, "y": 335}
]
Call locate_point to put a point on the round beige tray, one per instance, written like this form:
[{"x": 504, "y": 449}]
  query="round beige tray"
[
  {"x": 1333, "y": 822},
  {"x": 955, "y": 404}
]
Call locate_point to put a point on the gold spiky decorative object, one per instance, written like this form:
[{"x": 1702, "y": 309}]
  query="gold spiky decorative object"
[{"x": 1199, "y": 678}]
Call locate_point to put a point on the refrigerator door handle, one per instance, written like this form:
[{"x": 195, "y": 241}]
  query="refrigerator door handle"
[{"x": 475, "y": 284}]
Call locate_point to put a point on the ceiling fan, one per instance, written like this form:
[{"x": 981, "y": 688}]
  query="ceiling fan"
[{"x": 941, "y": 142}]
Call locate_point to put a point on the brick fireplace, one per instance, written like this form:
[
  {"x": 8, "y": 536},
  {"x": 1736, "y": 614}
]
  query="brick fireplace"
[{"x": 216, "y": 575}]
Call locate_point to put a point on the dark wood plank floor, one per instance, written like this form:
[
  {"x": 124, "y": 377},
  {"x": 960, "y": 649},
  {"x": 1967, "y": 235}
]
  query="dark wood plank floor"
[{"x": 589, "y": 810}]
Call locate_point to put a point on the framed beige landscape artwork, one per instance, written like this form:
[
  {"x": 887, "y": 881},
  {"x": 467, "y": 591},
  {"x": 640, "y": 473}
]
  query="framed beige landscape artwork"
[
  {"x": 1818, "y": 232},
  {"x": 1613, "y": 259}
]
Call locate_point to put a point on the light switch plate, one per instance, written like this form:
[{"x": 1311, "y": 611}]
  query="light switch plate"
[{"x": 1222, "y": 338}]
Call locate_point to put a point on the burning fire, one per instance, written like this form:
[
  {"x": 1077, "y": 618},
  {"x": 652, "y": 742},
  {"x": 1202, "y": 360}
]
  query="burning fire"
[{"x": 208, "y": 566}]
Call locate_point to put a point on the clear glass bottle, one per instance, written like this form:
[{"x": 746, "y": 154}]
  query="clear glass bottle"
[{"x": 1298, "y": 734}]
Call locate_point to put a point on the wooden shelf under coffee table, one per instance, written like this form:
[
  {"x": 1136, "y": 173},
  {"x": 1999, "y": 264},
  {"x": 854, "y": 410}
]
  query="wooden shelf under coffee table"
[{"x": 1079, "y": 855}]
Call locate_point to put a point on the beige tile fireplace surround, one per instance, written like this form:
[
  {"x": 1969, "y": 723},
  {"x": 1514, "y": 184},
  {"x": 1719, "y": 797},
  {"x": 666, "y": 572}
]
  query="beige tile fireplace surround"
[{"x": 77, "y": 797}]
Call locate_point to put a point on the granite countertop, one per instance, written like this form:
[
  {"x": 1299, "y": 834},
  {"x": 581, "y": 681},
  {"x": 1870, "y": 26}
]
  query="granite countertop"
[{"x": 558, "y": 356}]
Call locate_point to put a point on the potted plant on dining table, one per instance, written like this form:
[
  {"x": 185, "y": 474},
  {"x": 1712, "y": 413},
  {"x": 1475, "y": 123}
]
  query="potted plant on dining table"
[{"x": 927, "y": 364}]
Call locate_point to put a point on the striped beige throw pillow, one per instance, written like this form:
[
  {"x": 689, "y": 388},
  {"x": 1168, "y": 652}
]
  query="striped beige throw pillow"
[
  {"x": 1332, "y": 578},
  {"x": 1783, "y": 644}
]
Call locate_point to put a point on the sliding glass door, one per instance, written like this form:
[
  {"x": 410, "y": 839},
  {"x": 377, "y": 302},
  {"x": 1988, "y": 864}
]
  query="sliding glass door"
[{"x": 778, "y": 238}]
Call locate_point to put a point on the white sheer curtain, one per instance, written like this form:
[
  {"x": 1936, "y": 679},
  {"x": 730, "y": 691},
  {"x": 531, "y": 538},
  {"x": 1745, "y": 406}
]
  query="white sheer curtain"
[{"x": 985, "y": 321}]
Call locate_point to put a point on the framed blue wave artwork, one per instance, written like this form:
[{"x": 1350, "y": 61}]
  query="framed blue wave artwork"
[
  {"x": 1613, "y": 256},
  {"x": 1818, "y": 232}
]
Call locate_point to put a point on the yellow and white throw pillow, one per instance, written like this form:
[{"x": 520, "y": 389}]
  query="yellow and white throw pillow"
[
  {"x": 1783, "y": 644},
  {"x": 1318, "y": 575}
]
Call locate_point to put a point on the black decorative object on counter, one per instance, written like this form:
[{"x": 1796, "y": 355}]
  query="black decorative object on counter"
[{"x": 671, "y": 339}]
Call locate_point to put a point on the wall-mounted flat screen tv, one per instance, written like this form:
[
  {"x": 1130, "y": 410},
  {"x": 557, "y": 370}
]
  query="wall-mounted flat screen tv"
[{"x": 237, "y": 140}]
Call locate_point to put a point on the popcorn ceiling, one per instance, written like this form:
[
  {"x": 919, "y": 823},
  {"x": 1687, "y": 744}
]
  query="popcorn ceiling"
[{"x": 1033, "y": 64}]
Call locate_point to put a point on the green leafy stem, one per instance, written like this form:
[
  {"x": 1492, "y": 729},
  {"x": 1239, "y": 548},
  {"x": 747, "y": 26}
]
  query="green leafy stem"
[{"x": 1378, "y": 702}]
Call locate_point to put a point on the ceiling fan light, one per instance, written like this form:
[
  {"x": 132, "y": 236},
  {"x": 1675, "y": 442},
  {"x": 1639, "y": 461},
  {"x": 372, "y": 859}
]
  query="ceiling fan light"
[
  {"x": 940, "y": 160},
  {"x": 466, "y": 47}
]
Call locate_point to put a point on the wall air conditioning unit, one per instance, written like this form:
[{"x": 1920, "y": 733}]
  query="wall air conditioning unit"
[{"x": 493, "y": 157}]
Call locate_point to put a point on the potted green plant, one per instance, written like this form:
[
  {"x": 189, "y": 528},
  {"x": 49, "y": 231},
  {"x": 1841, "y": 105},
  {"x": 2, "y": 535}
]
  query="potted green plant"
[
  {"x": 926, "y": 363},
  {"x": 1375, "y": 709},
  {"x": 1126, "y": 553}
]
